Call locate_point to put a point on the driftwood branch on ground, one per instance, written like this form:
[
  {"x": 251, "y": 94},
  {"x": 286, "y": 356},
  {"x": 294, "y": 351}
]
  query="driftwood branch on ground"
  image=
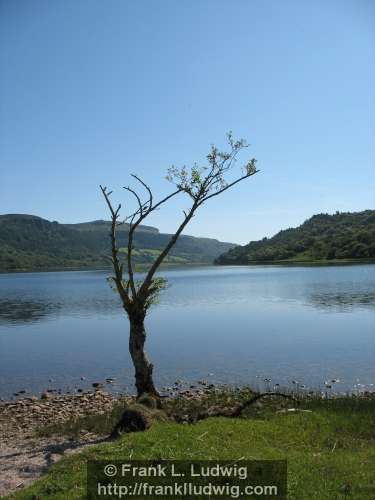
[
  {"x": 237, "y": 412},
  {"x": 234, "y": 412}
]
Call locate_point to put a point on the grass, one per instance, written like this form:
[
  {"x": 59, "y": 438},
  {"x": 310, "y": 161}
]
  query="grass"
[{"x": 330, "y": 450}]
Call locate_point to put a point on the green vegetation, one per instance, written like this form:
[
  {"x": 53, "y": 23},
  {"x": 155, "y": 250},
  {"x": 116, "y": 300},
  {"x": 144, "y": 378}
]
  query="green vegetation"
[
  {"x": 324, "y": 237},
  {"x": 148, "y": 255},
  {"x": 330, "y": 450},
  {"x": 29, "y": 243}
]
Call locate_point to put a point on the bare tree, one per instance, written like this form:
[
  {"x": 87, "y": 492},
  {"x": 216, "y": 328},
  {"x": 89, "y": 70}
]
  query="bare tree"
[{"x": 200, "y": 184}]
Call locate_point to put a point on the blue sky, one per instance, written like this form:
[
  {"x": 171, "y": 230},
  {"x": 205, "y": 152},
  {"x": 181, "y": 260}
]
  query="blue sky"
[{"x": 91, "y": 91}]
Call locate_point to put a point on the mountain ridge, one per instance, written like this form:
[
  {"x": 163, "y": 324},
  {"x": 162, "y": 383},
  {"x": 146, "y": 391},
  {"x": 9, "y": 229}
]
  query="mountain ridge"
[{"x": 30, "y": 242}]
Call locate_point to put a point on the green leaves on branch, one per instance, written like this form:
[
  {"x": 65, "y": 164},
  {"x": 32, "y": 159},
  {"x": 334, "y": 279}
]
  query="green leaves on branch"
[
  {"x": 201, "y": 182},
  {"x": 250, "y": 167},
  {"x": 157, "y": 285},
  {"x": 152, "y": 293},
  {"x": 188, "y": 180}
]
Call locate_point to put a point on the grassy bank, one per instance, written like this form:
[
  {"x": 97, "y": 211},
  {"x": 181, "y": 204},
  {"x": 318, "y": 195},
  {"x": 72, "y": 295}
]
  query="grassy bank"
[{"x": 330, "y": 449}]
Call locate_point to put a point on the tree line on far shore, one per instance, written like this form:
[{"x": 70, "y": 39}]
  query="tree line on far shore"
[{"x": 323, "y": 237}]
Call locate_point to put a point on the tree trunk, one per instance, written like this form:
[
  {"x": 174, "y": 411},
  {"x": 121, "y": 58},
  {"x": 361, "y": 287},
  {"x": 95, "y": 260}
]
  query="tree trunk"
[{"x": 142, "y": 365}]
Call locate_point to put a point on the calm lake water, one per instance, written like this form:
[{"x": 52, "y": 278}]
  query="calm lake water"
[{"x": 224, "y": 324}]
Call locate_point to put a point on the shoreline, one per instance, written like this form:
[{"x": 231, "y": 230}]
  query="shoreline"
[
  {"x": 142, "y": 268},
  {"x": 99, "y": 268},
  {"x": 286, "y": 263},
  {"x": 25, "y": 415},
  {"x": 300, "y": 263},
  {"x": 328, "y": 387}
]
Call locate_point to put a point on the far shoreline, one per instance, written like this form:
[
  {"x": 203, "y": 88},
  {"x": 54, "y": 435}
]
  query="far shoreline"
[
  {"x": 99, "y": 268},
  {"x": 279, "y": 263},
  {"x": 299, "y": 263}
]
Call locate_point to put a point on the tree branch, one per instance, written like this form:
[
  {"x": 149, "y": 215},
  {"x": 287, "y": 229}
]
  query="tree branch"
[
  {"x": 228, "y": 186},
  {"x": 148, "y": 279},
  {"x": 146, "y": 187},
  {"x": 117, "y": 266}
]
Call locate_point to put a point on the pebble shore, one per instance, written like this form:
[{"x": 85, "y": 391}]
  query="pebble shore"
[
  {"x": 23, "y": 456},
  {"x": 25, "y": 415}
]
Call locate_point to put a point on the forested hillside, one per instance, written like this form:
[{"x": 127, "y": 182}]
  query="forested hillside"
[
  {"x": 30, "y": 243},
  {"x": 323, "y": 237}
]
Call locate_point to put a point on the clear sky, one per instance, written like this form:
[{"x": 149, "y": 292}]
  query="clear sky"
[{"x": 91, "y": 90}]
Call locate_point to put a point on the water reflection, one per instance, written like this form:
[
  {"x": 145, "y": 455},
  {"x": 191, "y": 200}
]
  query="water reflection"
[
  {"x": 25, "y": 311},
  {"x": 15, "y": 312},
  {"x": 38, "y": 297},
  {"x": 341, "y": 301}
]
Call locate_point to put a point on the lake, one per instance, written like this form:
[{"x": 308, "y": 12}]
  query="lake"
[{"x": 237, "y": 325}]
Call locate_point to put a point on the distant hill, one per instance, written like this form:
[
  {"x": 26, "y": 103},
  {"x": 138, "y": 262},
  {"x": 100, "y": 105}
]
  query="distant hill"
[
  {"x": 322, "y": 238},
  {"x": 28, "y": 242},
  {"x": 96, "y": 225}
]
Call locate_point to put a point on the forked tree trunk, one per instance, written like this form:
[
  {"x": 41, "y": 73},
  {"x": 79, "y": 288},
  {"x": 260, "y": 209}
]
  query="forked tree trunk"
[{"x": 143, "y": 368}]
